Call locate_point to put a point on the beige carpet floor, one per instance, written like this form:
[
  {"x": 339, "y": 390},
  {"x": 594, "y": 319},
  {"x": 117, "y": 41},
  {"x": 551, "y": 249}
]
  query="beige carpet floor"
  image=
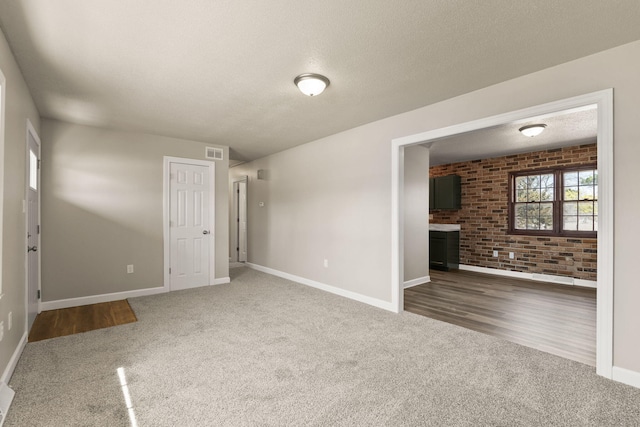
[{"x": 262, "y": 351}]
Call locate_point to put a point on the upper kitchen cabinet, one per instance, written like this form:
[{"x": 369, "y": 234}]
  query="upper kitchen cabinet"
[{"x": 444, "y": 192}]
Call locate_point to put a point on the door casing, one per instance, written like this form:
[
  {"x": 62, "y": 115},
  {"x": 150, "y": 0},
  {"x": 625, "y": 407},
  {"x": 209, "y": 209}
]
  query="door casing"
[
  {"x": 239, "y": 210},
  {"x": 604, "y": 101}
]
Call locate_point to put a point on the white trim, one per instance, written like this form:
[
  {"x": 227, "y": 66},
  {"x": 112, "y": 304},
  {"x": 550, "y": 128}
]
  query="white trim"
[
  {"x": 604, "y": 101},
  {"x": 13, "y": 362},
  {"x": 222, "y": 280},
  {"x": 6, "y": 397},
  {"x": 605, "y": 262},
  {"x": 3, "y": 91},
  {"x": 495, "y": 271},
  {"x": 585, "y": 283},
  {"x": 626, "y": 376},
  {"x": 416, "y": 282},
  {"x": 560, "y": 280},
  {"x": 6, "y": 393},
  {"x": 324, "y": 287},
  {"x": 397, "y": 226},
  {"x": 166, "y": 197},
  {"x": 96, "y": 299},
  {"x": 234, "y": 229}
]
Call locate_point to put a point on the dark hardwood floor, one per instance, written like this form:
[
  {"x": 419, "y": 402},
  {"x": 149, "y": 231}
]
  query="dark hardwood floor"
[
  {"x": 68, "y": 321},
  {"x": 557, "y": 319}
]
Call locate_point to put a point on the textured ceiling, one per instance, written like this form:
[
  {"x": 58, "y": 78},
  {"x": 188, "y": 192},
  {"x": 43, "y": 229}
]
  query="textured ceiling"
[
  {"x": 222, "y": 71},
  {"x": 563, "y": 129}
]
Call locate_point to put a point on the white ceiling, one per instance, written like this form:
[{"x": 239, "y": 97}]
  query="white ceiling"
[
  {"x": 222, "y": 71},
  {"x": 563, "y": 130}
]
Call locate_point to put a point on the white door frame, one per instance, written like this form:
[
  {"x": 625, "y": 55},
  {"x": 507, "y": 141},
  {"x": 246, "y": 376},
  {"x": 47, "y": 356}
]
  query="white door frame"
[
  {"x": 31, "y": 131},
  {"x": 604, "y": 102},
  {"x": 3, "y": 95},
  {"x": 166, "y": 198},
  {"x": 235, "y": 243}
]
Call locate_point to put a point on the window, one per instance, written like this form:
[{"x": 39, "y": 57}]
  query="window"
[
  {"x": 33, "y": 170},
  {"x": 560, "y": 202}
]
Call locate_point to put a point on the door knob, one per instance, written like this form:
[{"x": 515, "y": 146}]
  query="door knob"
[
  {"x": 205, "y": 232},
  {"x": 32, "y": 248}
]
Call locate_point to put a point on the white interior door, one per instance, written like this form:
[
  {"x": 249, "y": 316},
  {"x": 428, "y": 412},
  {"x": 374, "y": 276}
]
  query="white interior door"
[
  {"x": 33, "y": 226},
  {"x": 190, "y": 225},
  {"x": 242, "y": 221}
]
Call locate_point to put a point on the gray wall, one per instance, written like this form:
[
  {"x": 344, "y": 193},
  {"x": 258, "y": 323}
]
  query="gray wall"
[
  {"x": 331, "y": 198},
  {"x": 416, "y": 212},
  {"x": 324, "y": 200},
  {"x": 19, "y": 107},
  {"x": 102, "y": 209}
]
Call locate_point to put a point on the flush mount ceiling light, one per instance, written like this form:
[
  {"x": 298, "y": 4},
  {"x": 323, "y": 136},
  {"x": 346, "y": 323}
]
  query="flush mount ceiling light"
[
  {"x": 532, "y": 130},
  {"x": 311, "y": 84}
]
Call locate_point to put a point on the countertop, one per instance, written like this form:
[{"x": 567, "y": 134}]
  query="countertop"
[{"x": 444, "y": 227}]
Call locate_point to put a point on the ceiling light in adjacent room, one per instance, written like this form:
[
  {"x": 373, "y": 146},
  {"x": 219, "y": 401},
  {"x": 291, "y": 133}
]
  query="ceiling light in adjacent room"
[
  {"x": 532, "y": 130},
  {"x": 311, "y": 84}
]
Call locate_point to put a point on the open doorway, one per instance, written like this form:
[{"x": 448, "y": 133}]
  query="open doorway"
[
  {"x": 522, "y": 228},
  {"x": 603, "y": 101},
  {"x": 239, "y": 230}
]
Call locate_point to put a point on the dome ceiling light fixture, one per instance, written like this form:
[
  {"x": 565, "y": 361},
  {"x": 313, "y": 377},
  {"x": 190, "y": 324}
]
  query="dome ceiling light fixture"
[
  {"x": 532, "y": 130},
  {"x": 311, "y": 84}
]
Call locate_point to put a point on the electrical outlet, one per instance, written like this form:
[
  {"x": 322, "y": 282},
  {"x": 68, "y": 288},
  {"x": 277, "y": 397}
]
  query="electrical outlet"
[
  {"x": 129, "y": 268},
  {"x": 326, "y": 263},
  {"x": 495, "y": 254},
  {"x": 10, "y": 321},
  {"x": 511, "y": 255}
]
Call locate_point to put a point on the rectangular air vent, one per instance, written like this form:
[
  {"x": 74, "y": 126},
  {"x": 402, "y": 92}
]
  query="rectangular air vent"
[{"x": 214, "y": 153}]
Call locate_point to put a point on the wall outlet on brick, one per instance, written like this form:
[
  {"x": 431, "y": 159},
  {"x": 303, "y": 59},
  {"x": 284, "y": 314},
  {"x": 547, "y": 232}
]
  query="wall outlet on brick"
[{"x": 495, "y": 254}]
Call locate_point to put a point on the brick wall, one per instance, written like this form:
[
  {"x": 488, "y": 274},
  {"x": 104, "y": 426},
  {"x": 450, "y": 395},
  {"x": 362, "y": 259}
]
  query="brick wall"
[{"x": 484, "y": 223}]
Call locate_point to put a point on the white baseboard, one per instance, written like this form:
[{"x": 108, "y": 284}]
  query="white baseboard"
[
  {"x": 95, "y": 299},
  {"x": 561, "y": 280},
  {"x": 11, "y": 366},
  {"x": 626, "y": 376},
  {"x": 6, "y": 397},
  {"x": 416, "y": 282},
  {"x": 6, "y": 393},
  {"x": 324, "y": 287},
  {"x": 221, "y": 280},
  {"x": 585, "y": 283}
]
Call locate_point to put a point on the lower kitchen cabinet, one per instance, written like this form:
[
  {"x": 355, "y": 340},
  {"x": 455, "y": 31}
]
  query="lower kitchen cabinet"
[{"x": 444, "y": 250}]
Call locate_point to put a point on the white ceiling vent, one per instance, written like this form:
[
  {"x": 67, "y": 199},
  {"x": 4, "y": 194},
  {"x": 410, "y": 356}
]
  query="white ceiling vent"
[{"x": 214, "y": 153}]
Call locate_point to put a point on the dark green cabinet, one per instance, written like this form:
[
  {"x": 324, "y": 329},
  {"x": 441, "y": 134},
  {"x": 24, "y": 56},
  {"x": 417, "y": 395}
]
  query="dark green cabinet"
[
  {"x": 444, "y": 192},
  {"x": 444, "y": 250}
]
